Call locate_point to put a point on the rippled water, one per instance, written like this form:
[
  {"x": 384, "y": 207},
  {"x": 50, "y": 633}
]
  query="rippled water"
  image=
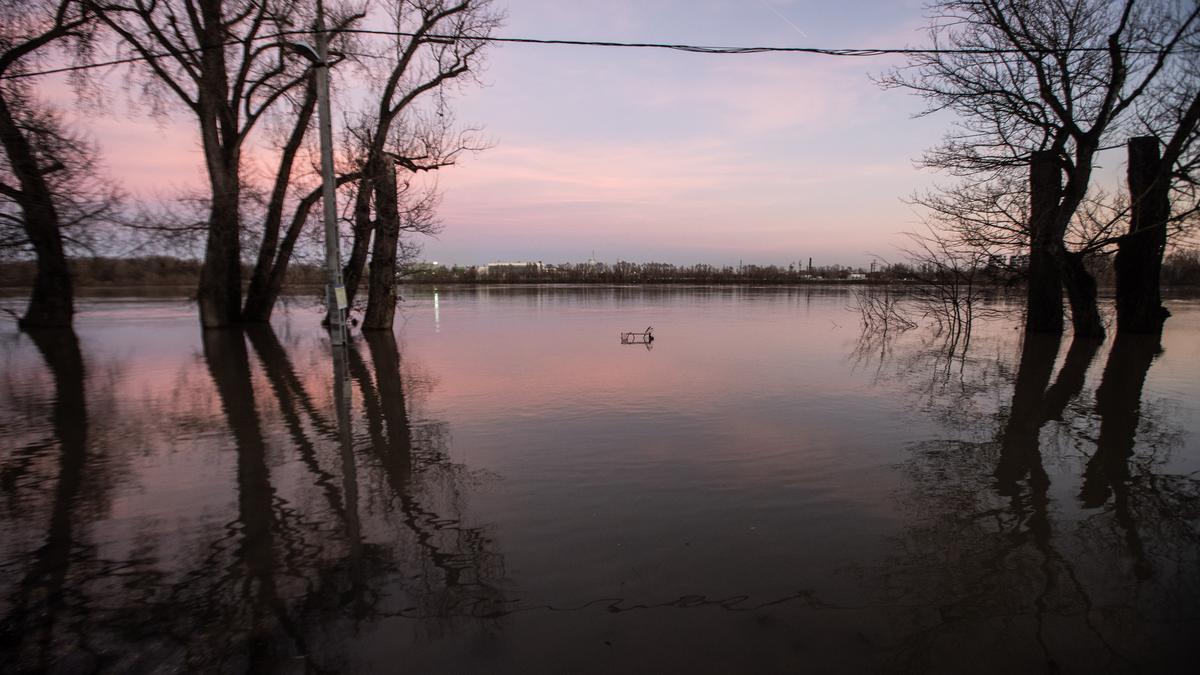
[{"x": 504, "y": 487}]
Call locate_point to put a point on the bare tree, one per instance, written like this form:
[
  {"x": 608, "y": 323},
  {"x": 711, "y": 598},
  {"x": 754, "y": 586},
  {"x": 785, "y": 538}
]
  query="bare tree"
[
  {"x": 41, "y": 155},
  {"x": 1041, "y": 87},
  {"x": 880, "y": 311},
  {"x": 952, "y": 286},
  {"x": 441, "y": 41},
  {"x": 404, "y": 207},
  {"x": 259, "y": 300},
  {"x": 83, "y": 196},
  {"x": 1164, "y": 173},
  {"x": 225, "y": 61}
]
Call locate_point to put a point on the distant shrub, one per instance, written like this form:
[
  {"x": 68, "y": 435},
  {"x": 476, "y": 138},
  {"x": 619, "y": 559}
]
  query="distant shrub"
[{"x": 1182, "y": 268}]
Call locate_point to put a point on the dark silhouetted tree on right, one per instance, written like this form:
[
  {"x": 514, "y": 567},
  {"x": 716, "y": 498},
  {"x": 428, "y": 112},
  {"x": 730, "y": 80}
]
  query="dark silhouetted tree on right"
[
  {"x": 441, "y": 41},
  {"x": 1041, "y": 87}
]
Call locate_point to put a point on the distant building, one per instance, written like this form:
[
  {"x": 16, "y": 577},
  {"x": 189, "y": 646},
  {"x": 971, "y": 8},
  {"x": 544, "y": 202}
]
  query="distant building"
[
  {"x": 857, "y": 276},
  {"x": 1018, "y": 261},
  {"x": 496, "y": 267}
]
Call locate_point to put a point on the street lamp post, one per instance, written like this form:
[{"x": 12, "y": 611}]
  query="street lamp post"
[{"x": 335, "y": 291}]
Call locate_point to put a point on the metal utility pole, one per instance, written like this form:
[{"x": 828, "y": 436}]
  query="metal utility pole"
[{"x": 336, "y": 292}]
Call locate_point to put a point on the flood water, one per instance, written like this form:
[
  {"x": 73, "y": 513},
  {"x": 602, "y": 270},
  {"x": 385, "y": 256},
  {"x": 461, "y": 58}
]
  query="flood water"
[{"x": 502, "y": 486}]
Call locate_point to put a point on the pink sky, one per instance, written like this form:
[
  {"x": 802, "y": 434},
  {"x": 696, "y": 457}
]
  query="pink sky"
[{"x": 648, "y": 154}]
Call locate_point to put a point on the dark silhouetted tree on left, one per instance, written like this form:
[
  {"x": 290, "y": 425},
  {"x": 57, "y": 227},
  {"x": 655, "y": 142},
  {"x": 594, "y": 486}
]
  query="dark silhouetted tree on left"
[
  {"x": 226, "y": 61},
  {"x": 40, "y": 152}
]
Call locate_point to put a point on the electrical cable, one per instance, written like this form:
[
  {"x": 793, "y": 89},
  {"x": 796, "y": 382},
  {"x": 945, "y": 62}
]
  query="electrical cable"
[{"x": 694, "y": 49}]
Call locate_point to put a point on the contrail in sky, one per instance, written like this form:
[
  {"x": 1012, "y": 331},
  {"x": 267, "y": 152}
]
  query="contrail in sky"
[{"x": 785, "y": 19}]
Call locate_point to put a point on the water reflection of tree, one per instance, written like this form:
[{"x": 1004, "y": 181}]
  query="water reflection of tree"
[
  {"x": 39, "y": 607},
  {"x": 286, "y": 581},
  {"x": 459, "y": 575},
  {"x": 957, "y": 386},
  {"x": 58, "y": 589},
  {"x": 239, "y": 620},
  {"x": 280, "y": 581},
  {"x": 998, "y": 567},
  {"x": 1157, "y": 515}
]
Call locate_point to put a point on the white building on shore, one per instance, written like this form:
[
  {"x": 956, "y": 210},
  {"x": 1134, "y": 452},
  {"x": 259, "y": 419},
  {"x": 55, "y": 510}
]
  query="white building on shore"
[{"x": 492, "y": 268}]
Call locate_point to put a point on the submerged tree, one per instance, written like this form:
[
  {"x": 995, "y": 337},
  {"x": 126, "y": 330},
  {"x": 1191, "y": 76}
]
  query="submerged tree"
[
  {"x": 1041, "y": 87},
  {"x": 438, "y": 41},
  {"x": 44, "y": 175},
  {"x": 226, "y": 61},
  {"x": 274, "y": 255},
  {"x": 1156, "y": 173},
  {"x": 277, "y": 242}
]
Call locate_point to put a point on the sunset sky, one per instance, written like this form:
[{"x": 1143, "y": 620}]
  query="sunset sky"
[
  {"x": 660, "y": 155},
  {"x": 656, "y": 155}
]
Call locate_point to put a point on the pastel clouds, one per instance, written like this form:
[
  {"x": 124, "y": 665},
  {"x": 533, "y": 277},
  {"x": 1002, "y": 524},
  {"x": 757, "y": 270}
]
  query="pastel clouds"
[
  {"x": 672, "y": 155},
  {"x": 648, "y": 154},
  {"x": 692, "y": 196}
]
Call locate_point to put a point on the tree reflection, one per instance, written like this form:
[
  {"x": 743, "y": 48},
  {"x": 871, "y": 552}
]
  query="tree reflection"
[
  {"x": 285, "y": 583},
  {"x": 341, "y": 521},
  {"x": 297, "y": 408},
  {"x": 1121, "y": 477},
  {"x": 459, "y": 573},
  {"x": 34, "y": 624},
  {"x": 999, "y": 566},
  {"x": 242, "y": 620},
  {"x": 78, "y": 600}
]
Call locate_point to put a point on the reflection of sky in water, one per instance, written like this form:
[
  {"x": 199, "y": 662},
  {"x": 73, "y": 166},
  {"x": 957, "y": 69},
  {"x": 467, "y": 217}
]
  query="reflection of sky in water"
[{"x": 507, "y": 458}]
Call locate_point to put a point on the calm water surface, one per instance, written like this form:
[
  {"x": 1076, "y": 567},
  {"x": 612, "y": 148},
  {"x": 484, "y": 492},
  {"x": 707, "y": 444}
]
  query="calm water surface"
[{"x": 502, "y": 486}]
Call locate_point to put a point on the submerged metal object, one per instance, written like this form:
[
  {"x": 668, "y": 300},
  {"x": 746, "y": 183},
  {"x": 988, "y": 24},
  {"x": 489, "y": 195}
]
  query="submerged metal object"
[{"x": 638, "y": 338}]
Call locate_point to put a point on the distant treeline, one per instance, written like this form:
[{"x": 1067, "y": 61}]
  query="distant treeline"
[
  {"x": 149, "y": 271},
  {"x": 1180, "y": 268},
  {"x": 624, "y": 273}
]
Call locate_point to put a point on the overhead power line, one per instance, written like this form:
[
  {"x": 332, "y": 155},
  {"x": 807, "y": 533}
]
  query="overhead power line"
[{"x": 695, "y": 49}]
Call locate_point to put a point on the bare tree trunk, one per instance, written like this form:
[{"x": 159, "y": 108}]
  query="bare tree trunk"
[
  {"x": 274, "y": 284},
  {"x": 51, "y": 305},
  {"x": 1045, "y": 306},
  {"x": 1139, "y": 253},
  {"x": 1081, "y": 291},
  {"x": 278, "y": 272},
  {"x": 220, "y": 292},
  {"x": 381, "y": 287},
  {"x": 220, "y": 289},
  {"x": 259, "y": 300},
  {"x": 265, "y": 298},
  {"x": 363, "y": 226}
]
